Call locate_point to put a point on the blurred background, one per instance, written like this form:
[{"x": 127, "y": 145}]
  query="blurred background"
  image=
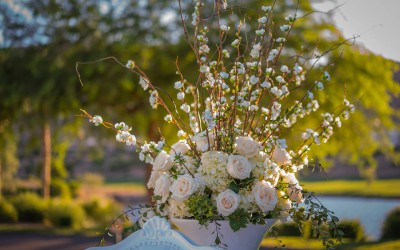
[{"x": 62, "y": 180}]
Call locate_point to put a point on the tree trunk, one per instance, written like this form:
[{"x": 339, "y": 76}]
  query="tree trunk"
[
  {"x": 46, "y": 148},
  {"x": 1, "y": 177}
]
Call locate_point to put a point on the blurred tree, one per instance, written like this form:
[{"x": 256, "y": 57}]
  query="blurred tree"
[{"x": 46, "y": 38}]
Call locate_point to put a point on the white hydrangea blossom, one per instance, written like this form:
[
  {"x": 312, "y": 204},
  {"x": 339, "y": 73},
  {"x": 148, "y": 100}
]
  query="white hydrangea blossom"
[{"x": 213, "y": 170}]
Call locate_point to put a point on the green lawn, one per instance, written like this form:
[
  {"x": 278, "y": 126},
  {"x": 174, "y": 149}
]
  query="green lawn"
[
  {"x": 292, "y": 243},
  {"x": 378, "y": 188},
  {"x": 301, "y": 243}
]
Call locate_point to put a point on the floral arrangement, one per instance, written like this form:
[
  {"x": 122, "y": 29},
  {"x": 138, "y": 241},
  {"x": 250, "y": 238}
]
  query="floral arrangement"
[{"x": 230, "y": 161}]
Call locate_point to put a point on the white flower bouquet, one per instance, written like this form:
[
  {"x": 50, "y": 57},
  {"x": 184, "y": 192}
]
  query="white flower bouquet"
[{"x": 230, "y": 160}]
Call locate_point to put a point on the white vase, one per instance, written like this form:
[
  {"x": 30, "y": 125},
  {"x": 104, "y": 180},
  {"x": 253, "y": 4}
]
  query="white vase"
[{"x": 248, "y": 238}]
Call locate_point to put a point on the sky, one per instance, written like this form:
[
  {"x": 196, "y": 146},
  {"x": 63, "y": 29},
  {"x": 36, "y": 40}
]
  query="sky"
[{"x": 376, "y": 21}]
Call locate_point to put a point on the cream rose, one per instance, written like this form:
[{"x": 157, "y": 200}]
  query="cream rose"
[
  {"x": 247, "y": 147},
  {"x": 183, "y": 187},
  {"x": 181, "y": 147},
  {"x": 239, "y": 167},
  {"x": 163, "y": 162},
  {"x": 153, "y": 178},
  {"x": 284, "y": 205},
  {"x": 202, "y": 143},
  {"x": 294, "y": 188},
  {"x": 227, "y": 202},
  {"x": 162, "y": 186},
  {"x": 280, "y": 156},
  {"x": 265, "y": 196}
]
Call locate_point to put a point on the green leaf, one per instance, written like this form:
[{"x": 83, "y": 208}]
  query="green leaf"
[
  {"x": 234, "y": 187},
  {"x": 238, "y": 219}
]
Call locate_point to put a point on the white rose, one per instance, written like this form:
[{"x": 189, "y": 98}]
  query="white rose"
[
  {"x": 202, "y": 143},
  {"x": 246, "y": 146},
  {"x": 163, "y": 162},
  {"x": 239, "y": 167},
  {"x": 265, "y": 196},
  {"x": 183, "y": 187},
  {"x": 162, "y": 186},
  {"x": 294, "y": 188},
  {"x": 153, "y": 178},
  {"x": 261, "y": 157},
  {"x": 280, "y": 156},
  {"x": 181, "y": 147},
  {"x": 284, "y": 206},
  {"x": 227, "y": 202}
]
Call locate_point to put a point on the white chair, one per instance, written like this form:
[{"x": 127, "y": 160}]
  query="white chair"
[{"x": 155, "y": 235}]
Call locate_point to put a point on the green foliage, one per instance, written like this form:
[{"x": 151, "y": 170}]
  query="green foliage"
[
  {"x": 287, "y": 229},
  {"x": 74, "y": 186},
  {"x": 66, "y": 213},
  {"x": 324, "y": 224},
  {"x": 391, "y": 226},
  {"x": 30, "y": 207},
  {"x": 8, "y": 159},
  {"x": 59, "y": 188},
  {"x": 8, "y": 214},
  {"x": 101, "y": 211},
  {"x": 236, "y": 185},
  {"x": 202, "y": 208},
  {"x": 352, "y": 229},
  {"x": 238, "y": 219}
]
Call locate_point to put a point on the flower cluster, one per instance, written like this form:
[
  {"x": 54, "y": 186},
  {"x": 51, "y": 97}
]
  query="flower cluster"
[{"x": 231, "y": 152}]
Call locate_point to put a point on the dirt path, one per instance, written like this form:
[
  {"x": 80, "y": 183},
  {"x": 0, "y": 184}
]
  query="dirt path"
[{"x": 37, "y": 241}]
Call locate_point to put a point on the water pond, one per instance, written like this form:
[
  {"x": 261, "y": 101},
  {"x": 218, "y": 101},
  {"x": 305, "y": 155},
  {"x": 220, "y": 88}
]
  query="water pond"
[{"x": 371, "y": 212}]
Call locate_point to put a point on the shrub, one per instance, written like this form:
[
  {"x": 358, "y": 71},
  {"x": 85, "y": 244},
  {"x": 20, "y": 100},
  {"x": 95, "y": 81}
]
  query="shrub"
[
  {"x": 352, "y": 229},
  {"x": 30, "y": 207},
  {"x": 74, "y": 187},
  {"x": 66, "y": 213},
  {"x": 287, "y": 229},
  {"x": 391, "y": 226},
  {"x": 101, "y": 211},
  {"x": 8, "y": 214},
  {"x": 59, "y": 188}
]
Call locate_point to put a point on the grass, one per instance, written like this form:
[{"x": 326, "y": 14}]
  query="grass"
[
  {"x": 312, "y": 244},
  {"x": 134, "y": 188},
  {"x": 292, "y": 242},
  {"x": 379, "y": 188}
]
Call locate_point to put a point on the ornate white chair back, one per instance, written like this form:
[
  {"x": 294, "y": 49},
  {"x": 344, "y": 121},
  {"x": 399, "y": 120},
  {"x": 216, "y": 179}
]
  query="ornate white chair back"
[{"x": 155, "y": 235}]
